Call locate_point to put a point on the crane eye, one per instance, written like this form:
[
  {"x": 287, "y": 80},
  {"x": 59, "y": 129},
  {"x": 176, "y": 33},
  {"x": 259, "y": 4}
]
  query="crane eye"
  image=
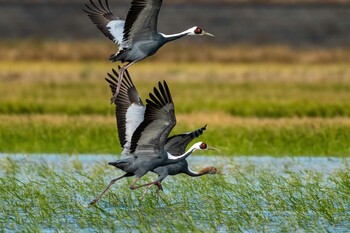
[
  {"x": 198, "y": 31},
  {"x": 203, "y": 146}
]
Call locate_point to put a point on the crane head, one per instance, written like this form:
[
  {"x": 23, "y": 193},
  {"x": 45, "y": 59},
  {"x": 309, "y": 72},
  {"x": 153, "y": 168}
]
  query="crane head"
[
  {"x": 212, "y": 170},
  {"x": 209, "y": 170},
  {"x": 204, "y": 146},
  {"x": 197, "y": 31}
]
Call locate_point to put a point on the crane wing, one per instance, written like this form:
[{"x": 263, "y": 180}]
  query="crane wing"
[
  {"x": 109, "y": 24},
  {"x": 151, "y": 135},
  {"x": 176, "y": 145},
  {"x": 141, "y": 20},
  {"x": 129, "y": 108}
]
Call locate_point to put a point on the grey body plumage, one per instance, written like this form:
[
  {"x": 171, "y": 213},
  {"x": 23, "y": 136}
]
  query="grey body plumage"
[
  {"x": 137, "y": 37},
  {"x": 143, "y": 131},
  {"x": 175, "y": 145}
]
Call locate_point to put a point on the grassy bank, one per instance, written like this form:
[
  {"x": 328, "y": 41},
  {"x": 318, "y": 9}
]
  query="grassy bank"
[{"x": 234, "y": 136}]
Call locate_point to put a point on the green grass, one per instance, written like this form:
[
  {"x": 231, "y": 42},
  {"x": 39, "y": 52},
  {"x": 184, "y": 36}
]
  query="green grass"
[
  {"x": 251, "y": 109},
  {"x": 43, "y": 195},
  {"x": 248, "y": 90},
  {"x": 98, "y": 134}
]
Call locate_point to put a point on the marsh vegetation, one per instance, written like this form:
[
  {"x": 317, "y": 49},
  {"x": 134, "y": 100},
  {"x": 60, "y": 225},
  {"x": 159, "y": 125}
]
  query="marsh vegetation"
[
  {"x": 49, "y": 194},
  {"x": 250, "y": 108},
  {"x": 285, "y": 108}
]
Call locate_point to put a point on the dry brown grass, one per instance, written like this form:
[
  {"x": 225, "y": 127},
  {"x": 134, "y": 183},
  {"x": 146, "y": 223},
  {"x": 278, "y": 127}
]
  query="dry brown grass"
[
  {"x": 34, "y": 50},
  {"x": 226, "y": 120},
  {"x": 234, "y": 73},
  {"x": 56, "y": 119},
  {"x": 191, "y": 120}
]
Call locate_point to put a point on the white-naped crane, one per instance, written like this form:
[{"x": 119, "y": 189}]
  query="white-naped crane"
[
  {"x": 137, "y": 37},
  {"x": 143, "y": 131},
  {"x": 175, "y": 145}
]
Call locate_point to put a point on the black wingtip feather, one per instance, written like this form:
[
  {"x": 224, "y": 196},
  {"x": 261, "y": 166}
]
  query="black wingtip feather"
[
  {"x": 168, "y": 92},
  {"x": 102, "y": 6},
  {"x": 100, "y": 14},
  {"x": 159, "y": 96},
  {"x": 154, "y": 102},
  {"x": 115, "y": 72},
  {"x": 107, "y": 4},
  {"x": 161, "y": 88}
]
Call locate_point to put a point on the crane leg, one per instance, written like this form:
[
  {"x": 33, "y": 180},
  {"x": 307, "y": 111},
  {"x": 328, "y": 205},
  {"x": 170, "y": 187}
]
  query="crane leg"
[
  {"x": 121, "y": 76},
  {"x": 105, "y": 190},
  {"x": 148, "y": 187},
  {"x": 159, "y": 187},
  {"x": 133, "y": 186}
]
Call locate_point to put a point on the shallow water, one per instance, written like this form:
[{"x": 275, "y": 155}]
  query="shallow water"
[
  {"x": 233, "y": 201},
  {"x": 280, "y": 165}
]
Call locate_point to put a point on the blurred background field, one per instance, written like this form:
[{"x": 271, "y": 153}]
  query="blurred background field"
[{"x": 275, "y": 79}]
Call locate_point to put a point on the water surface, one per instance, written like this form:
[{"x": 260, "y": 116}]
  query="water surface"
[
  {"x": 280, "y": 165},
  {"x": 252, "y": 194}
]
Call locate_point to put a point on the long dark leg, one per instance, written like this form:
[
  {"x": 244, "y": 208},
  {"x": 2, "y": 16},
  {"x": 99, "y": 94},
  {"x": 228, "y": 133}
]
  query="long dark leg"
[
  {"x": 157, "y": 182},
  {"x": 132, "y": 186},
  {"x": 121, "y": 76},
  {"x": 159, "y": 187},
  {"x": 148, "y": 187},
  {"x": 105, "y": 190}
]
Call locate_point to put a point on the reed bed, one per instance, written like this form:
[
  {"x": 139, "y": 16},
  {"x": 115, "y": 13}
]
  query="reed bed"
[{"x": 52, "y": 196}]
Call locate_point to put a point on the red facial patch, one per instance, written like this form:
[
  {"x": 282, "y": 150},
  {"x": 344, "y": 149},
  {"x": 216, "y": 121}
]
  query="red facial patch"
[
  {"x": 198, "y": 31},
  {"x": 203, "y": 146}
]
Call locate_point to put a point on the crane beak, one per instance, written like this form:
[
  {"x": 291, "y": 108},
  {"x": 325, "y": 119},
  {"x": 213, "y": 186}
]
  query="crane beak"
[
  {"x": 212, "y": 148},
  {"x": 207, "y": 33}
]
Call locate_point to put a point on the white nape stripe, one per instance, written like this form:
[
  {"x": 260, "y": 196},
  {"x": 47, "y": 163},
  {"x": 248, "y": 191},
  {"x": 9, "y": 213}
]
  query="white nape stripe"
[
  {"x": 188, "y": 31},
  {"x": 194, "y": 147},
  {"x": 134, "y": 117},
  {"x": 116, "y": 28},
  {"x": 172, "y": 157},
  {"x": 197, "y": 173}
]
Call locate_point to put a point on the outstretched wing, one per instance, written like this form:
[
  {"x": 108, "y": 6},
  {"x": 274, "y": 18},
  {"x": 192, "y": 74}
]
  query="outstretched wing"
[
  {"x": 141, "y": 21},
  {"x": 176, "y": 145},
  {"x": 109, "y": 24},
  {"x": 129, "y": 108},
  {"x": 150, "y": 137}
]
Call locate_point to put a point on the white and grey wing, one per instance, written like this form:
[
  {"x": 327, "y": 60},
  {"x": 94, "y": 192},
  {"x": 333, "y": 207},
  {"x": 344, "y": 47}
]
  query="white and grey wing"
[
  {"x": 141, "y": 21},
  {"x": 176, "y": 145},
  {"x": 129, "y": 107},
  {"x": 109, "y": 24},
  {"x": 151, "y": 135}
]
